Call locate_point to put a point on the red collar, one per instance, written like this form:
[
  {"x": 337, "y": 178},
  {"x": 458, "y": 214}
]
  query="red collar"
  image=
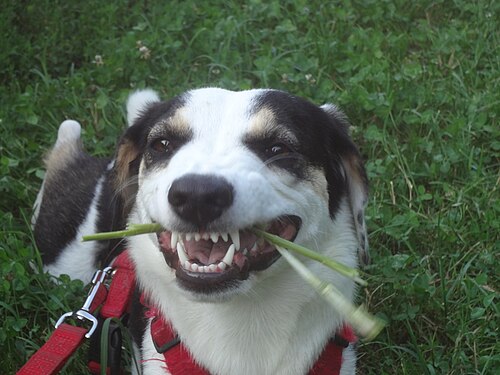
[{"x": 179, "y": 362}]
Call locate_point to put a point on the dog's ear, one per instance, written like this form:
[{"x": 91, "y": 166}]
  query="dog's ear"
[
  {"x": 356, "y": 178},
  {"x": 138, "y": 102},
  {"x": 132, "y": 145}
]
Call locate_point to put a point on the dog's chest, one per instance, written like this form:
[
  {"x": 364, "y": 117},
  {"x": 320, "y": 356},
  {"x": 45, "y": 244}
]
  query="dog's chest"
[{"x": 244, "y": 338}]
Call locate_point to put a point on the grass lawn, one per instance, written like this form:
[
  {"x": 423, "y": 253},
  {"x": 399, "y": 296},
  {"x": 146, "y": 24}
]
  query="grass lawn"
[{"x": 419, "y": 80}]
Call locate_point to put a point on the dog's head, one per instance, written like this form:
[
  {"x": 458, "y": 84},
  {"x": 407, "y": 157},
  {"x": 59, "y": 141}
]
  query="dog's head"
[{"x": 212, "y": 164}]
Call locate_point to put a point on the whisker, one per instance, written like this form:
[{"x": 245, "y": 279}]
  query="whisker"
[
  {"x": 282, "y": 157},
  {"x": 127, "y": 183}
]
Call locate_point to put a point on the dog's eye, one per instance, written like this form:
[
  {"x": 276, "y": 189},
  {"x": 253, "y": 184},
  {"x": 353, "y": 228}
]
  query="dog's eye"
[
  {"x": 162, "y": 145},
  {"x": 277, "y": 149}
]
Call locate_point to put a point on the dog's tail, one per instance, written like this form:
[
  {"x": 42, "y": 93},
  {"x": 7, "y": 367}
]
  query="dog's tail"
[
  {"x": 138, "y": 102},
  {"x": 69, "y": 131},
  {"x": 67, "y": 145}
]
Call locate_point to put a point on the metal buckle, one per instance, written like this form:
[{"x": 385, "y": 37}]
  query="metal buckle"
[
  {"x": 80, "y": 314},
  {"x": 83, "y": 313}
]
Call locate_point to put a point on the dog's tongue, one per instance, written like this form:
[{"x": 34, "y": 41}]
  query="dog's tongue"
[{"x": 206, "y": 252}]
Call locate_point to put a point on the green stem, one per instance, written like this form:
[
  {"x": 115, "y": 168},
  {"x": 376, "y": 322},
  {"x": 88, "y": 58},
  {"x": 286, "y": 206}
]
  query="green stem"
[
  {"x": 365, "y": 324},
  {"x": 136, "y": 229},
  {"x": 132, "y": 230},
  {"x": 334, "y": 265}
]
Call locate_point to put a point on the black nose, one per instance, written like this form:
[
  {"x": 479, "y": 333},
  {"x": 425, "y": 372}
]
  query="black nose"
[{"x": 200, "y": 199}]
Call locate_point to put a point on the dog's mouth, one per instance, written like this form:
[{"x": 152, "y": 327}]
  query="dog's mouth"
[{"x": 209, "y": 262}]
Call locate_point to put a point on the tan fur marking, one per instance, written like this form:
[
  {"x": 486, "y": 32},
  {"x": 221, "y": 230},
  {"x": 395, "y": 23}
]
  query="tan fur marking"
[
  {"x": 354, "y": 169},
  {"x": 127, "y": 152},
  {"x": 179, "y": 122},
  {"x": 319, "y": 183},
  {"x": 262, "y": 122},
  {"x": 127, "y": 188},
  {"x": 358, "y": 194}
]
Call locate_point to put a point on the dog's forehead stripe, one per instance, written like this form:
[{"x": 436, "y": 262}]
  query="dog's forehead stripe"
[
  {"x": 265, "y": 125},
  {"x": 261, "y": 121},
  {"x": 175, "y": 122},
  {"x": 213, "y": 112},
  {"x": 250, "y": 113}
]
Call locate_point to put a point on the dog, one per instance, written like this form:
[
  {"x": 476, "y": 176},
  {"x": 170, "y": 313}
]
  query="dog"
[{"x": 208, "y": 166}]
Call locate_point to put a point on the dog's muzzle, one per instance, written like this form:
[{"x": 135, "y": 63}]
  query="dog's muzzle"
[{"x": 207, "y": 262}]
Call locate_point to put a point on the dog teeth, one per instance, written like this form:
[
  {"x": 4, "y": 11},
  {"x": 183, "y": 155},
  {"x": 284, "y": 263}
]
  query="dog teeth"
[
  {"x": 228, "y": 258},
  {"x": 235, "y": 237},
  {"x": 182, "y": 253},
  {"x": 176, "y": 242},
  {"x": 254, "y": 247},
  {"x": 174, "y": 238},
  {"x": 222, "y": 266},
  {"x": 214, "y": 237}
]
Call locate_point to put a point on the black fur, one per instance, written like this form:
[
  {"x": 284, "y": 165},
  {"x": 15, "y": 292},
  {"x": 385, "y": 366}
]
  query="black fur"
[
  {"x": 65, "y": 204},
  {"x": 137, "y": 320},
  {"x": 323, "y": 140}
]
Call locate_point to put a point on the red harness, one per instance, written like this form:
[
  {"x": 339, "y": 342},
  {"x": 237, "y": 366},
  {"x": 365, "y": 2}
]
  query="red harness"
[
  {"x": 51, "y": 357},
  {"x": 179, "y": 362}
]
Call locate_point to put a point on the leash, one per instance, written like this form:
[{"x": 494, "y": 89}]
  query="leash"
[
  {"x": 114, "y": 303},
  {"x": 66, "y": 338}
]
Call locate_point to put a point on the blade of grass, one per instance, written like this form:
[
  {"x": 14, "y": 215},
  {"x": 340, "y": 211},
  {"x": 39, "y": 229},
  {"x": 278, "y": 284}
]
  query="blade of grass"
[
  {"x": 136, "y": 229},
  {"x": 334, "y": 265},
  {"x": 132, "y": 230},
  {"x": 365, "y": 324}
]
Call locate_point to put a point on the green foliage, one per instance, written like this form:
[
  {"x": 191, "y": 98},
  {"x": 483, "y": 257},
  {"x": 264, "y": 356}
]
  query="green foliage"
[{"x": 419, "y": 80}]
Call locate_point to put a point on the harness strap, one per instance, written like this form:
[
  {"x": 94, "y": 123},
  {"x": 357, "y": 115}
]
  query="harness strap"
[
  {"x": 121, "y": 288},
  {"x": 330, "y": 361},
  {"x": 180, "y": 362},
  {"x": 177, "y": 357},
  {"x": 116, "y": 305},
  {"x": 52, "y": 356},
  {"x": 66, "y": 339}
]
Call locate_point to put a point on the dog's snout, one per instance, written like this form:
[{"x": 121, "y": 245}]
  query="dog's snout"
[{"x": 200, "y": 199}]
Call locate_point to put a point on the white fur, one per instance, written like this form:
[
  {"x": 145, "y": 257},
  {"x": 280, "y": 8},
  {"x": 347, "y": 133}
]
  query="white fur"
[
  {"x": 69, "y": 131},
  {"x": 153, "y": 362},
  {"x": 36, "y": 205},
  {"x": 78, "y": 258},
  {"x": 348, "y": 361},
  {"x": 274, "y": 323},
  {"x": 137, "y": 102}
]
